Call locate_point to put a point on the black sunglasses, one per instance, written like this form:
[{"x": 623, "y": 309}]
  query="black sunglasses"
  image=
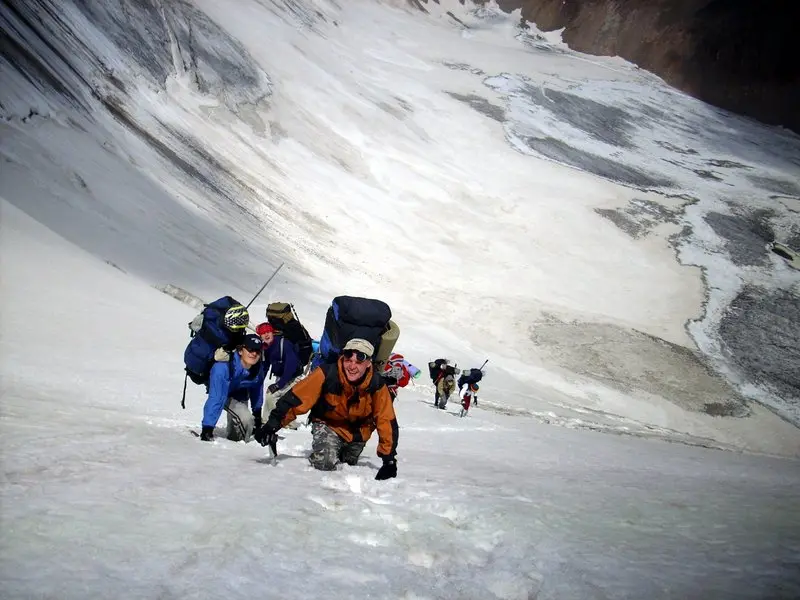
[{"x": 360, "y": 356}]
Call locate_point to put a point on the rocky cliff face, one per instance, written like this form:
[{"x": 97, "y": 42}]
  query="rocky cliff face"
[{"x": 736, "y": 54}]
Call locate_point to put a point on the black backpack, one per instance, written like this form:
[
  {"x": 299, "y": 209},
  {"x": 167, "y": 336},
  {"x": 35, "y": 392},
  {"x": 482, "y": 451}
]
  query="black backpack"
[
  {"x": 435, "y": 367},
  {"x": 283, "y": 318}
]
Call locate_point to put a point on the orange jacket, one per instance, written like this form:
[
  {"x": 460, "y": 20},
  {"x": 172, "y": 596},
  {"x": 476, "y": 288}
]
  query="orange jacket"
[{"x": 353, "y": 413}]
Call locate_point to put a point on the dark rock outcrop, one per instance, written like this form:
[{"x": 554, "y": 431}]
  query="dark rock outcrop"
[{"x": 735, "y": 54}]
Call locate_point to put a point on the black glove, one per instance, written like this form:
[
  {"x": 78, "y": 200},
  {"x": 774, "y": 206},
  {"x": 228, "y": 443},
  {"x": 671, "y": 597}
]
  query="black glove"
[
  {"x": 257, "y": 420},
  {"x": 388, "y": 470},
  {"x": 207, "y": 435},
  {"x": 267, "y": 434},
  {"x": 272, "y": 388}
]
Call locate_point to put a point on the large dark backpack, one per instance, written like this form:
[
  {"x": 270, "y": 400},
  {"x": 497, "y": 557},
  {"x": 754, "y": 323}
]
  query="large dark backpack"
[
  {"x": 352, "y": 317},
  {"x": 212, "y": 334},
  {"x": 469, "y": 376},
  {"x": 283, "y": 318},
  {"x": 435, "y": 368}
]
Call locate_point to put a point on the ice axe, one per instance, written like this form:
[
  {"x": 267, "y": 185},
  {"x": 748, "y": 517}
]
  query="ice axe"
[
  {"x": 273, "y": 446},
  {"x": 271, "y": 440}
]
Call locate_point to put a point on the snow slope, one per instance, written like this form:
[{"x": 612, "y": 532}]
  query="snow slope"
[
  {"x": 456, "y": 169},
  {"x": 106, "y": 494}
]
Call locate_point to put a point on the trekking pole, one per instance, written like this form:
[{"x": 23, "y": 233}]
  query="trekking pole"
[
  {"x": 183, "y": 398},
  {"x": 258, "y": 293}
]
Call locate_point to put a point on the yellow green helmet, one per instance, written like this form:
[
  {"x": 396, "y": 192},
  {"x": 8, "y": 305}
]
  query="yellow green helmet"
[{"x": 236, "y": 318}]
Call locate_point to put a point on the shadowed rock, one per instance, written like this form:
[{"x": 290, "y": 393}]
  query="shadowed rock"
[
  {"x": 746, "y": 236},
  {"x": 634, "y": 362},
  {"x": 760, "y": 330}
]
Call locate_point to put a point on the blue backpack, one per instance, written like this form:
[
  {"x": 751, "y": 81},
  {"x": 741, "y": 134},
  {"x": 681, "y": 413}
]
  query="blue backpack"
[{"x": 213, "y": 333}]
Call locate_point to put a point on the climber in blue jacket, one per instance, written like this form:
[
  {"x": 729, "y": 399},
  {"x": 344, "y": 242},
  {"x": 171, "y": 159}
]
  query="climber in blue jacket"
[{"x": 232, "y": 383}]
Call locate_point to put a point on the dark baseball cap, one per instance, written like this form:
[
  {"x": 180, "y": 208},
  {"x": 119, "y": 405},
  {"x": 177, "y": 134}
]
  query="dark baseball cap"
[{"x": 252, "y": 342}]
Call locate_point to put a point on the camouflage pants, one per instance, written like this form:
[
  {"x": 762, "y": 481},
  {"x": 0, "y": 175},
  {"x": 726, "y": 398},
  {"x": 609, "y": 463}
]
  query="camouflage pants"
[
  {"x": 328, "y": 449},
  {"x": 444, "y": 388}
]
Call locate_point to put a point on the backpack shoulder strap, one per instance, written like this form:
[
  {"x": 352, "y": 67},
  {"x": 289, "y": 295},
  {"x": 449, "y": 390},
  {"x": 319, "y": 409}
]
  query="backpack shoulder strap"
[
  {"x": 231, "y": 367},
  {"x": 331, "y": 385},
  {"x": 376, "y": 382}
]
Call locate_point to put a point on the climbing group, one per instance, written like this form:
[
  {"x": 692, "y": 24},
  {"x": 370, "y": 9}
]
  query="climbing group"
[
  {"x": 346, "y": 383},
  {"x": 443, "y": 374}
]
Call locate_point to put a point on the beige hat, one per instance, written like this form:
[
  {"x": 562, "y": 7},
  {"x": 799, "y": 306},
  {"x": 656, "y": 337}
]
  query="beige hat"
[{"x": 359, "y": 345}]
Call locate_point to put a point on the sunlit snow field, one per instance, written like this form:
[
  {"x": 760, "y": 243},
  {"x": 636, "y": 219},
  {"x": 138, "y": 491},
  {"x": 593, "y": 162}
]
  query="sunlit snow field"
[{"x": 587, "y": 229}]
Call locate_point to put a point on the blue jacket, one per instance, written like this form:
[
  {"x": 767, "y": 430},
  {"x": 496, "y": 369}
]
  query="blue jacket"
[
  {"x": 232, "y": 380},
  {"x": 282, "y": 358}
]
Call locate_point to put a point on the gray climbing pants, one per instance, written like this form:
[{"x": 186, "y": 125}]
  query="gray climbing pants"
[{"x": 240, "y": 420}]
